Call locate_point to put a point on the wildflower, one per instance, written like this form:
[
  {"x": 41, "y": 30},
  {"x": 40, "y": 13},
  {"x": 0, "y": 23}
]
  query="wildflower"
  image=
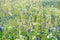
[
  {"x": 28, "y": 30},
  {"x": 49, "y": 30},
  {"x": 55, "y": 28},
  {"x": 1, "y": 28},
  {"x": 33, "y": 26}
]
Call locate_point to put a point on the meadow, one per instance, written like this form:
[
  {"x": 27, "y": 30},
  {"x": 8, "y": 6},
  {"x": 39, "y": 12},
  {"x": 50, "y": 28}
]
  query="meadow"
[{"x": 29, "y": 20}]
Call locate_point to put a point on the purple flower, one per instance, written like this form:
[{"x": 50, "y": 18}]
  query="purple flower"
[
  {"x": 33, "y": 26},
  {"x": 55, "y": 28},
  {"x": 28, "y": 30}
]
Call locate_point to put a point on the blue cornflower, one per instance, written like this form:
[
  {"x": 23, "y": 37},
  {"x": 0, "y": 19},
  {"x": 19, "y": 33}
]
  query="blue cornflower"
[
  {"x": 33, "y": 26},
  {"x": 55, "y": 28},
  {"x": 49, "y": 30},
  {"x": 28, "y": 30},
  {"x": 1, "y": 28}
]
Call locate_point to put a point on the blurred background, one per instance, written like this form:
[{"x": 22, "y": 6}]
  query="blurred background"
[{"x": 29, "y": 19}]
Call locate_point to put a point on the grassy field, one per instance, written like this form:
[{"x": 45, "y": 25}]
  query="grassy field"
[{"x": 29, "y": 20}]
